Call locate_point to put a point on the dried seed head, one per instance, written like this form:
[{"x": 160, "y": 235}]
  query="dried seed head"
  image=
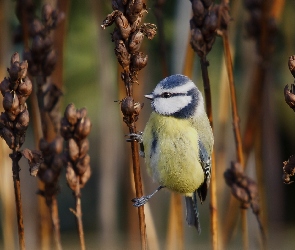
[
  {"x": 118, "y": 5},
  {"x": 197, "y": 42},
  {"x": 81, "y": 113},
  {"x": 71, "y": 114},
  {"x": 138, "y": 61},
  {"x": 135, "y": 9},
  {"x": 149, "y": 30}
]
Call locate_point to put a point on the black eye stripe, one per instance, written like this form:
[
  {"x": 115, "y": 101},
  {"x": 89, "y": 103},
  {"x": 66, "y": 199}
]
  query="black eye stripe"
[{"x": 168, "y": 95}]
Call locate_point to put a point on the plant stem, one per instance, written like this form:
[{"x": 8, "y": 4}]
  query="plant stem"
[
  {"x": 15, "y": 157},
  {"x": 55, "y": 222},
  {"x": 236, "y": 126},
  {"x": 78, "y": 214},
  {"x": 138, "y": 189},
  {"x": 213, "y": 198}
]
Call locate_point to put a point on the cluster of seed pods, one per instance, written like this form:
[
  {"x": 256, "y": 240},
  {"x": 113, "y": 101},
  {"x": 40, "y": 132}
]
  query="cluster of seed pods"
[
  {"x": 128, "y": 35},
  {"x": 15, "y": 91},
  {"x": 203, "y": 26},
  {"x": 75, "y": 127},
  {"x": 42, "y": 56}
]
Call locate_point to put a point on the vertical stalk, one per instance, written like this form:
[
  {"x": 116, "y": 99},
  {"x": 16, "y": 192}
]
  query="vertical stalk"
[
  {"x": 213, "y": 198},
  {"x": 138, "y": 189},
  {"x": 55, "y": 222},
  {"x": 15, "y": 157},
  {"x": 78, "y": 214},
  {"x": 236, "y": 127}
]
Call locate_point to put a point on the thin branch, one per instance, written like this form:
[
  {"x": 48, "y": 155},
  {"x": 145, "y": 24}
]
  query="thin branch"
[{"x": 15, "y": 157}]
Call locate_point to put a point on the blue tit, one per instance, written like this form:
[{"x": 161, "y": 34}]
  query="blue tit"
[{"x": 178, "y": 142}]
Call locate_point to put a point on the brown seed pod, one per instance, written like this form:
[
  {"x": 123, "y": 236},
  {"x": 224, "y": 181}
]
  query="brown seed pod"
[
  {"x": 198, "y": 12},
  {"x": 83, "y": 128},
  {"x": 123, "y": 25},
  {"x": 37, "y": 46},
  {"x": 127, "y": 106},
  {"x": 71, "y": 114},
  {"x": 10, "y": 101},
  {"x": 82, "y": 164},
  {"x": 81, "y": 113},
  {"x": 84, "y": 147},
  {"x": 85, "y": 177},
  {"x": 122, "y": 54},
  {"x": 73, "y": 150},
  {"x": 36, "y": 27},
  {"x": 48, "y": 176},
  {"x": 135, "y": 9},
  {"x": 14, "y": 74},
  {"x": 138, "y": 61},
  {"x": 22, "y": 121},
  {"x": 14, "y": 58},
  {"x": 118, "y": 5},
  {"x": 56, "y": 146},
  {"x": 49, "y": 63},
  {"x": 47, "y": 44},
  {"x": 25, "y": 87},
  {"x": 4, "y": 86},
  {"x": 209, "y": 27},
  {"x": 23, "y": 69},
  {"x": 46, "y": 12},
  {"x": 57, "y": 164},
  {"x": 197, "y": 42},
  {"x": 71, "y": 176},
  {"x": 149, "y": 30},
  {"x": 135, "y": 41}
]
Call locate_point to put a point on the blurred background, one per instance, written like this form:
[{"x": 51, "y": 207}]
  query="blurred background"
[{"x": 90, "y": 79}]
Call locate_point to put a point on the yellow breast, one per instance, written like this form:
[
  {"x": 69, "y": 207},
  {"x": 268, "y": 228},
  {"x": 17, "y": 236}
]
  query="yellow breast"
[{"x": 172, "y": 153}]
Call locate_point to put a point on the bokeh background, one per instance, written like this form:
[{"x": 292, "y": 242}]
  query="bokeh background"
[{"x": 90, "y": 79}]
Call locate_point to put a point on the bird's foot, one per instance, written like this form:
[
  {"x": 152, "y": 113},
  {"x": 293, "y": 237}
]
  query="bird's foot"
[
  {"x": 138, "y": 202},
  {"x": 135, "y": 137}
]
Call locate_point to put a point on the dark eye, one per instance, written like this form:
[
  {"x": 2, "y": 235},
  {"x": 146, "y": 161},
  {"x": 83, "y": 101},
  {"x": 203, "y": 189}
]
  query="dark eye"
[{"x": 166, "y": 95}]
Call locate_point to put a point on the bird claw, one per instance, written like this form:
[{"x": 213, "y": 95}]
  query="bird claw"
[
  {"x": 138, "y": 202},
  {"x": 135, "y": 137}
]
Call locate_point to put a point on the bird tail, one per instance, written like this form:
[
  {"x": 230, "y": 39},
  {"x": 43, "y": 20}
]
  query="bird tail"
[{"x": 192, "y": 213}]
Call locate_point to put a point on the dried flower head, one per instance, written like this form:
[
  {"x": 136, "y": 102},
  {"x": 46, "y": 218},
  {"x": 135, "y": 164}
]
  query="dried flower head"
[
  {"x": 15, "y": 90},
  {"x": 75, "y": 127}
]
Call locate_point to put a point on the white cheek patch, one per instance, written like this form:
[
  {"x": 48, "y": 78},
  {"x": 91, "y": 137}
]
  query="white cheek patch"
[
  {"x": 168, "y": 106},
  {"x": 179, "y": 89}
]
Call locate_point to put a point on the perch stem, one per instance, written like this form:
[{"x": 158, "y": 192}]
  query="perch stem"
[
  {"x": 15, "y": 157},
  {"x": 213, "y": 198},
  {"x": 55, "y": 222},
  {"x": 78, "y": 214}
]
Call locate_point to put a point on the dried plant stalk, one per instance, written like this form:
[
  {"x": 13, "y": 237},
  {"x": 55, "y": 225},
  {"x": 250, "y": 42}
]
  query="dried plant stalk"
[{"x": 128, "y": 36}]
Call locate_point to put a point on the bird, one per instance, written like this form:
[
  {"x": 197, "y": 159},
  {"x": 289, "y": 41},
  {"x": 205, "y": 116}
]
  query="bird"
[{"x": 177, "y": 143}]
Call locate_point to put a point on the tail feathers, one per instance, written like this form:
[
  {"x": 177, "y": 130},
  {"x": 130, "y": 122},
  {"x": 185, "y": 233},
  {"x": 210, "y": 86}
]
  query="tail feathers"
[{"x": 192, "y": 214}]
